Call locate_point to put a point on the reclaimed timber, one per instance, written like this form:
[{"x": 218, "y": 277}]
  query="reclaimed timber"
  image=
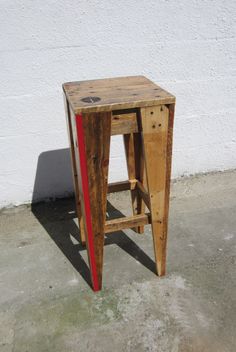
[
  {"x": 114, "y": 94},
  {"x": 74, "y": 172},
  {"x": 135, "y": 167},
  {"x": 127, "y": 222},
  {"x": 94, "y": 160},
  {"x": 124, "y": 123},
  {"x": 157, "y": 126},
  {"x": 168, "y": 163},
  {"x": 122, "y": 186}
]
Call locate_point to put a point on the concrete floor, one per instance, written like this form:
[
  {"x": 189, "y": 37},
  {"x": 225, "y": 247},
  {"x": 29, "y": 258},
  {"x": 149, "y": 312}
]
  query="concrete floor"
[{"x": 46, "y": 303}]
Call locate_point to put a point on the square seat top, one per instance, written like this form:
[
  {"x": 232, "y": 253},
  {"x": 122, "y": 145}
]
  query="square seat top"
[{"x": 115, "y": 94}]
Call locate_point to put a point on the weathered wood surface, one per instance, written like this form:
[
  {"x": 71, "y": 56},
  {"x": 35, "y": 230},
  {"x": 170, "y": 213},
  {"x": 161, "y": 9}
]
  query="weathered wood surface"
[
  {"x": 157, "y": 125},
  {"x": 74, "y": 170},
  {"x": 121, "y": 186},
  {"x": 94, "y": 132},
  {"x": 114, "y": 94},
  {"x": 124, "y": 123},
  {"x": 127, "y": 222},
  {"x": 135, "y": 167}
]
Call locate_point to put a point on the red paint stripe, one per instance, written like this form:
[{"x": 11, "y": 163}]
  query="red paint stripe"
[{"x": 84, "y": 177}]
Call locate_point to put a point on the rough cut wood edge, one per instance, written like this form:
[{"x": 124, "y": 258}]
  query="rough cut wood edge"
[
  {"x": 127, "y": 222},
  {"x": 113, "y": 101},
  {"x": 124, "y": 105},
  {"x": 74, "y": 171},
  {"x": 168, "y": 171}
]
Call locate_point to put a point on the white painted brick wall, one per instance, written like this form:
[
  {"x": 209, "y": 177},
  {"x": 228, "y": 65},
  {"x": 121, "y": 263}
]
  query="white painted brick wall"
[{"x": 188, "y": 47}]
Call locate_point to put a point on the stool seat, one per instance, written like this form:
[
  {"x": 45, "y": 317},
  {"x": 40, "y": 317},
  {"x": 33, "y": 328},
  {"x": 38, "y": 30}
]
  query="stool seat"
[
  {"x": 143, "y": 113},
  {"x": 114, "y": 94}
]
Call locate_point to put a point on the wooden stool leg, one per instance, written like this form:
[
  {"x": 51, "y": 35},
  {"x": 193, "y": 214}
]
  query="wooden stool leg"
[
  {"x": 74, "y": 172},
  {"x": 135, "y": 166},
  {"x": 157, "y": 126},
  {"x": 93, "y": 138}
]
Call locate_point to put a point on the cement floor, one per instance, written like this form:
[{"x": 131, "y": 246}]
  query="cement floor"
[{"x": 46, "y": 303}]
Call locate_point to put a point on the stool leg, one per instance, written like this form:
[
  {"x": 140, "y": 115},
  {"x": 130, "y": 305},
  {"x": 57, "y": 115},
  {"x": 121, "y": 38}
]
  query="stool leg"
[
  {"x": 74, "y": 172},
  {"x": 135, "y": 166},
  {"x": 93, "y": 136},
  {"x": 157, "y": 129}
]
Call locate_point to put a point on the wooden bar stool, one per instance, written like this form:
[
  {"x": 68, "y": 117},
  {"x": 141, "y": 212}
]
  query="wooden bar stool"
[{"x": 143, "y": 113}]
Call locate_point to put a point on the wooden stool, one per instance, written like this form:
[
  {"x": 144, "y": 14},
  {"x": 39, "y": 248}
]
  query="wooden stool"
[{"x": 143, "y": 112}]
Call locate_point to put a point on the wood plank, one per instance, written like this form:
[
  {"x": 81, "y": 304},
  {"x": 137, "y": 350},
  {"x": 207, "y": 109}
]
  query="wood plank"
[
  {"x": 94, "y": 160},
  {"x": 135, "y": 166},
  {"x": 168, "y": 175},
  {"x": 114, "y": 94},
  {"x": 127, "y": 222},
  {"x": 74, "y": 171},
  {"x": 107, "y": 83},
  {"x": 124, "y": 123},
  {"x": 157, "y": 137},
  {"x": 121, "y": 186}
]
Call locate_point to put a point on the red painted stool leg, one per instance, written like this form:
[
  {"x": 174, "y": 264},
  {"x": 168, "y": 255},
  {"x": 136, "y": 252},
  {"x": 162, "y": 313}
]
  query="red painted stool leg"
[{"x": 93, "y": 139}]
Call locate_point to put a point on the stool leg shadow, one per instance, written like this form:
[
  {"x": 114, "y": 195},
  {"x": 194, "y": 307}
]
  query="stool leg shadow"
[{"x": 57, "y": 220}]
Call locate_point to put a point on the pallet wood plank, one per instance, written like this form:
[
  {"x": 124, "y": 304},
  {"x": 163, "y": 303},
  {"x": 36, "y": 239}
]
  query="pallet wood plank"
[
  {"x": 124, "y": 123},
  {"x": 133, "y": 153},
  {"x": 94, "y": 161},
  {"x": 122, "y": 186},
  {"x": 74, "y": 171},
  {"x": 115, "y": 93},
  {"x": 127, "y": 222},
  {"x": 157, "y": 140}
]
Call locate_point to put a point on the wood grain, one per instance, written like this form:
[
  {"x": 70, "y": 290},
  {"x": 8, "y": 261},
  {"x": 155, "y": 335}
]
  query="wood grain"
[
  {"x": 124, "y": 123},
  {"x": 127, "y": 222},
  {"x": 115, "y": 93},
  {"x": 157, "y": 125},
  {"x": 135, "y": 167},
  {"x": 97, "y": 128},
  {"x": 122, "y": 186},
  {"x": 74, "y": 171}
]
